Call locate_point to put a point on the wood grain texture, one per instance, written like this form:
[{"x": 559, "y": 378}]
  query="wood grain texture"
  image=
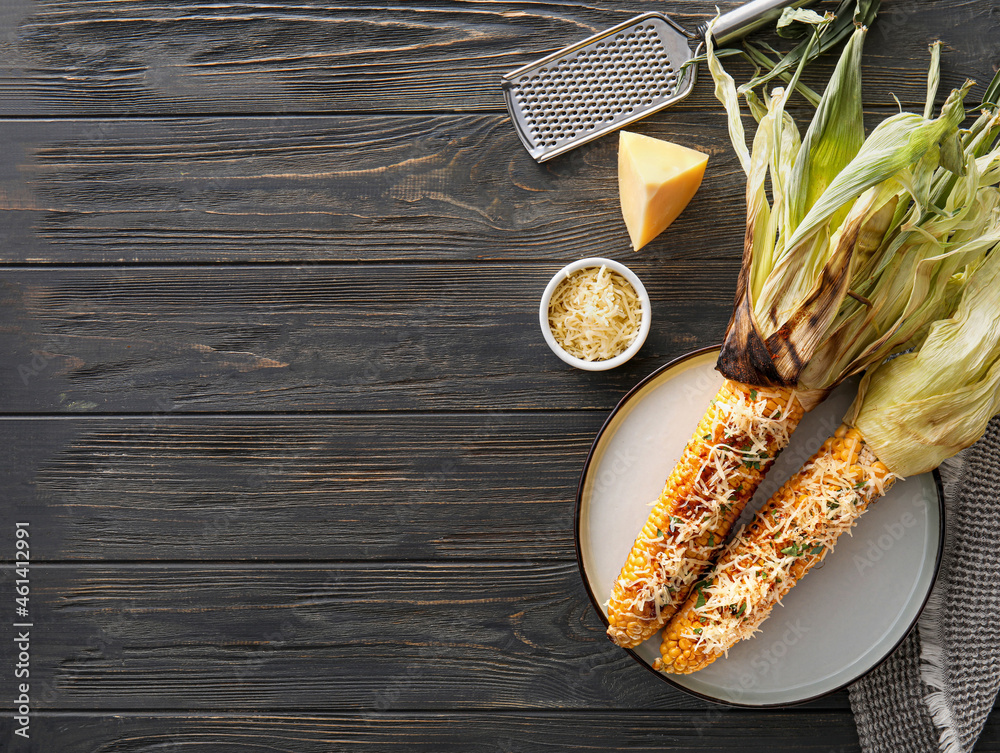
[
  {"x": 387, "y": 562},
  {"x": 247, "y": 488},
  {"x": 115, "y": 57},
  {"x": 346, "y": 337},
  {"x": 342, "y": 189},
  {"x": 341, "y": 637},
  {"x": 714, "y": 731},
  {"x": 346, "y": 188}
]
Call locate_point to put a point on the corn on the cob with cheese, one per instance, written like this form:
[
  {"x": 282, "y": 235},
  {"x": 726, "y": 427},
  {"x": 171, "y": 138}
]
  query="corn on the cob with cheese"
[
  {"x": 912, "y": 412},
  {"x": 795, "y": 530},
  {"x": 841, "y": 270},
  {"x": 732, "y": 448}
]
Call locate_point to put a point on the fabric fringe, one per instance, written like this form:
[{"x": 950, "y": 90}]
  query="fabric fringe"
[
  {"x": 932, "y": 673},
  {"x": 931, "y": 627},
  {"x": 935, "y": 693}
]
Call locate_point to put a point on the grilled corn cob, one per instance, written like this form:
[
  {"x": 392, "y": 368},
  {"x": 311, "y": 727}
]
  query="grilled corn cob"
[
  {"x": 793, "y": 531},
  {"x": 732, "y": 448}
]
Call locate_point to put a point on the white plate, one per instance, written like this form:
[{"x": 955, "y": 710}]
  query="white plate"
[{"x": 846, "y": 615}]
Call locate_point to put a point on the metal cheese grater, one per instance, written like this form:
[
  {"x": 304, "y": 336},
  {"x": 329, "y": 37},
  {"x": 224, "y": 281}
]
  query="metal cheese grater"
[{"x": 616, "y": 77}]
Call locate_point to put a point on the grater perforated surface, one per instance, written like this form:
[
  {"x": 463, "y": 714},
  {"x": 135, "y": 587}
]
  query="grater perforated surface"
[{"x": 599, "y": 85}]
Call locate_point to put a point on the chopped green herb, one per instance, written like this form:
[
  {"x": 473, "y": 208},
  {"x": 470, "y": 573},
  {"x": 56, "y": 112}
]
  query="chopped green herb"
[
  {"x": 743, "y": 609},
  {"x": 816, "y": 549},
  {"x": 753, "y": 394},
  {"x": 696, "y": 631},
  {"x": 700, "y": 587},
  {"x": 711, "y": 539},
  {"x": 659, "y": 532}
]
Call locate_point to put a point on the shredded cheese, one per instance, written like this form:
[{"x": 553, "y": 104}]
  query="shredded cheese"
[
  {"x": 744, "y": 435},
  {"x": 757, "y": 570},
  {"x": 595, "y": 314}
]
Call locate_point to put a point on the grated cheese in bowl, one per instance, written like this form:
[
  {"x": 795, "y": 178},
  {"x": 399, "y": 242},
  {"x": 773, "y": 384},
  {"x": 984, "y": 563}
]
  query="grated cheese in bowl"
[{"x": 595, "y": 314}]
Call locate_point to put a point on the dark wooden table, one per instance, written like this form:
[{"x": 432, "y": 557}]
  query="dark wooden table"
[{"x": 298, "y": 467}]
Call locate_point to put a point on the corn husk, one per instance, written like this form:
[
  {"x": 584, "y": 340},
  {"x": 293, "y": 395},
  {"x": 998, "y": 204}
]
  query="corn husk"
[
  {"x": 922, "y": 407},
  {"x": 992, "y": 95},
  {"x": 916, "y": 280},
  {"x": 861, "y": 243}
]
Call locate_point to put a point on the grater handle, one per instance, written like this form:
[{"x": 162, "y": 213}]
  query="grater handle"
[{"x": 741, "y": 21}]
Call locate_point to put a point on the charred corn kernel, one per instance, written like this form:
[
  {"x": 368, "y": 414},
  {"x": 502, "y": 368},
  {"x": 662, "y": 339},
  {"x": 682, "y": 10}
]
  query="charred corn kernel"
[
  {"x": 790, "y": 534},
  {"x": 732, "y": 448}
]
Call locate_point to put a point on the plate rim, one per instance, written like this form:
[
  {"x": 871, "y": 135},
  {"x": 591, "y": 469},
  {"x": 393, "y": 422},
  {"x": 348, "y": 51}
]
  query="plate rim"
[{"x": 595, "y": 602}]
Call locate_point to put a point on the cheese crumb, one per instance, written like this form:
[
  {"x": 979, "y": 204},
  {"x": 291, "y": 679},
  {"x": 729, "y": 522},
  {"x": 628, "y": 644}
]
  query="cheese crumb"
[
  {"x": 755, "y": 572},
  {"x": 595, "y": 314}
]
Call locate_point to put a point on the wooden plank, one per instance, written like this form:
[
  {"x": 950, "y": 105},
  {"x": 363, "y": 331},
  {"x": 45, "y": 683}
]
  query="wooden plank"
[
  {"x": 431, "y": 336},
  {"x": 342, "y": 637},
  {"x": 372, "y": 487},
  {"x": 129, "y": 56},
  {"x": 347, "y": 188},
  {"x": 714, "y": 730},
  {"x": 341, "y": 189}
]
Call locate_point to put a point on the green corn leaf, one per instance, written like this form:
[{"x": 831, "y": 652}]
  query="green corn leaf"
[
  {"x": 835, "y": 134},
  {"x": 848, "y": 15},
  {"x": 754, "y": 53},
  {"x": 895, "y": 144},
  {"x": 992, "y": 96}
]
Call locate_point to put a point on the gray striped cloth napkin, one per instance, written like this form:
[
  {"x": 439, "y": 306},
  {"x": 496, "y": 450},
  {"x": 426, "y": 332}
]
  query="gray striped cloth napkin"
[{"x": 934, "y": 692}]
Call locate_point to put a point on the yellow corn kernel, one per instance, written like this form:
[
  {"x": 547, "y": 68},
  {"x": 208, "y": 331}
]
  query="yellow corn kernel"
[
  {"x": 759, "y": 546},
  {"x": 687, "y": 526}
]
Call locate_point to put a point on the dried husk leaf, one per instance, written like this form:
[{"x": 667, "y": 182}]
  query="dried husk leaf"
[
  {"x": 821, "y": 293},
  {"x": 848, "y": 15},
  {"x": 747, "y": 353},
  {"x": 794, "y": 21},
  {"x": 922, "y": 407},
  {"x": 919, "y": 279}
]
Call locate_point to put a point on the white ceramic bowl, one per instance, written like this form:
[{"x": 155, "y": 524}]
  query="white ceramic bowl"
[{"x": 614, "y": 266}]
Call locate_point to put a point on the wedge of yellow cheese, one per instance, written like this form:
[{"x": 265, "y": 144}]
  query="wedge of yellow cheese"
[{"x": 656, "y": 180}]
